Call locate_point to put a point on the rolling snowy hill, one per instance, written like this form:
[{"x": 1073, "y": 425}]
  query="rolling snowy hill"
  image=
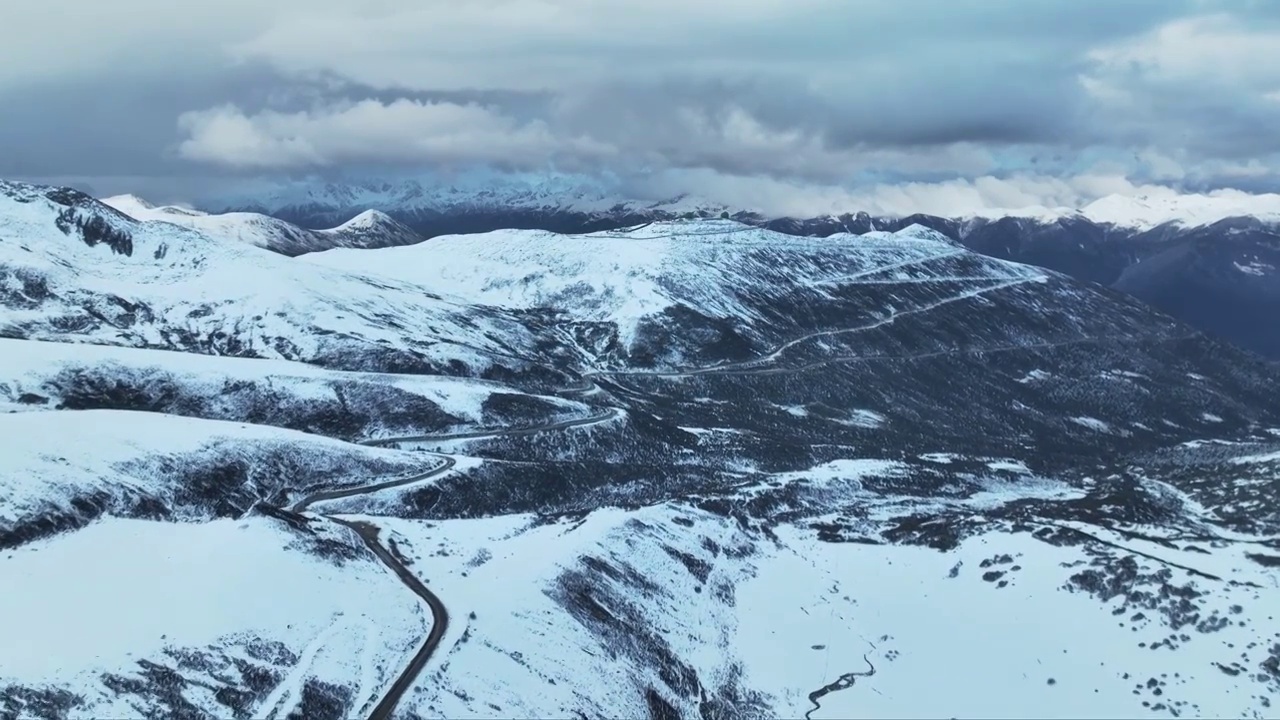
[
  {"x": 72, "y": 267},
  {"x": 151, "y": 465},
  {"x": 38, "y": 375},
  {"x": 671, "y": 294},
  {"x": 717, "y": 472},
  {"x": 368, "y": 229}
]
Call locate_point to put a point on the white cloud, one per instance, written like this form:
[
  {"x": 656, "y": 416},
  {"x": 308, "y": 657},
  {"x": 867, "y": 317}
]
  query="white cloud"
[
  {"x": 1213, "y": 52},
  {"x": 398, "y": 132},
  {"x": 55, "y": 39},
  {"x": 520, "y": 44},
  {"x": 408, "y": 132},
  {"x": 726, "y": 88},
  {"x": 981, "y": 196},
  {"x": 1215, "y": 47}
]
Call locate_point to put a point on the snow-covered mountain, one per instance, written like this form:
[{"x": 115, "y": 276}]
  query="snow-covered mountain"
[
  {"x": 1230, "y": 234},
  {"x": 711, "y": 470},
  {"x": 74, "y": 266},
  {"x": 476, "y": 192},
  {"x": 720, "y": 274},
  {"x": 368, "y": 229},
  {"x": 1188, "y": 210}
]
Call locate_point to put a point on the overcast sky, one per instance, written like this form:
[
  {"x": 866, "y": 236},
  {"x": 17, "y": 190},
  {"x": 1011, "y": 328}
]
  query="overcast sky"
[{"x": 802, "y": 105}]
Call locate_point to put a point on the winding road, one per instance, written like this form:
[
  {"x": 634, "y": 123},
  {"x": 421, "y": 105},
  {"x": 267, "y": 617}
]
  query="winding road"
[
  {"x": 302, "y": 505},
  {"x": 592, "y": 419},
  {"x": 439, "y": 617},
  {"x": 368, "y": 534}
]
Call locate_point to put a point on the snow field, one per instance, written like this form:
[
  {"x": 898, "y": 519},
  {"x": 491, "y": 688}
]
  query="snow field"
[{"x": 120, "y": 591}]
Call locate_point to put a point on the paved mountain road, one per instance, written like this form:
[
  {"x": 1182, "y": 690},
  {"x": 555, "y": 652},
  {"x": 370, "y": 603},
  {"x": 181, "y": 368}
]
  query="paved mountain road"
[
  {"x": 368, "y": 534},
  {"x": 439, "y": 616},
  {"x": 593, "y": 419},
  {"x": 306, "y": 502},
  {"x": 774, "y": 369}
]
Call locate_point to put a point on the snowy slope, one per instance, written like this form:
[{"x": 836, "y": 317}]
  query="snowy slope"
[
  {"x": 231, "y": 618},
  {"x": 676, "y": 607},
  {"x": 369, "y": 229},
  {"x": 38, "y": 375},
  {"x": 72, "y": 268},
  {"x": 62, "y": 469},
  {"x": 717, "y": 268}
]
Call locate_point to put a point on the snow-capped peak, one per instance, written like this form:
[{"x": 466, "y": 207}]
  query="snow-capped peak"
[
  {"x": 914, "y": 231},
  {"x": 140, "y": 209},
  {"x": 128, "y": 200},
  {"x": 1187, "y": 210},
  {"x": 367, "y": 220},
  {"x": 370, "y": 228}
]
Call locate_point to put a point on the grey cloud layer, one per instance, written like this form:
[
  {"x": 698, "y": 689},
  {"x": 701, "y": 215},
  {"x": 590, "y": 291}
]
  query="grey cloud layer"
[{"x": 819, "y": 93}]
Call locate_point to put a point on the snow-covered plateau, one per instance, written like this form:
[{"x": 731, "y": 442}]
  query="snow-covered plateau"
[{"x": 690, "y": 469}]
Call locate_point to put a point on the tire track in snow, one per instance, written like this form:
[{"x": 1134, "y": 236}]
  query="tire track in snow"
[
  {"x": 368, "y": 657},
  {"x": 288, "y": 693}
]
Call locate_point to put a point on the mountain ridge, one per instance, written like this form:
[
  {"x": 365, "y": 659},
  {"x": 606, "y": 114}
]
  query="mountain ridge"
[
  {"x": 1098, "y": 243},
  {"x": 480, "y": 191},
  {"x": 368, "y": 229}
]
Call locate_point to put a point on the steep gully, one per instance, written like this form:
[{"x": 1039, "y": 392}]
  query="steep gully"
[{"x": 369, "y": 533}]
